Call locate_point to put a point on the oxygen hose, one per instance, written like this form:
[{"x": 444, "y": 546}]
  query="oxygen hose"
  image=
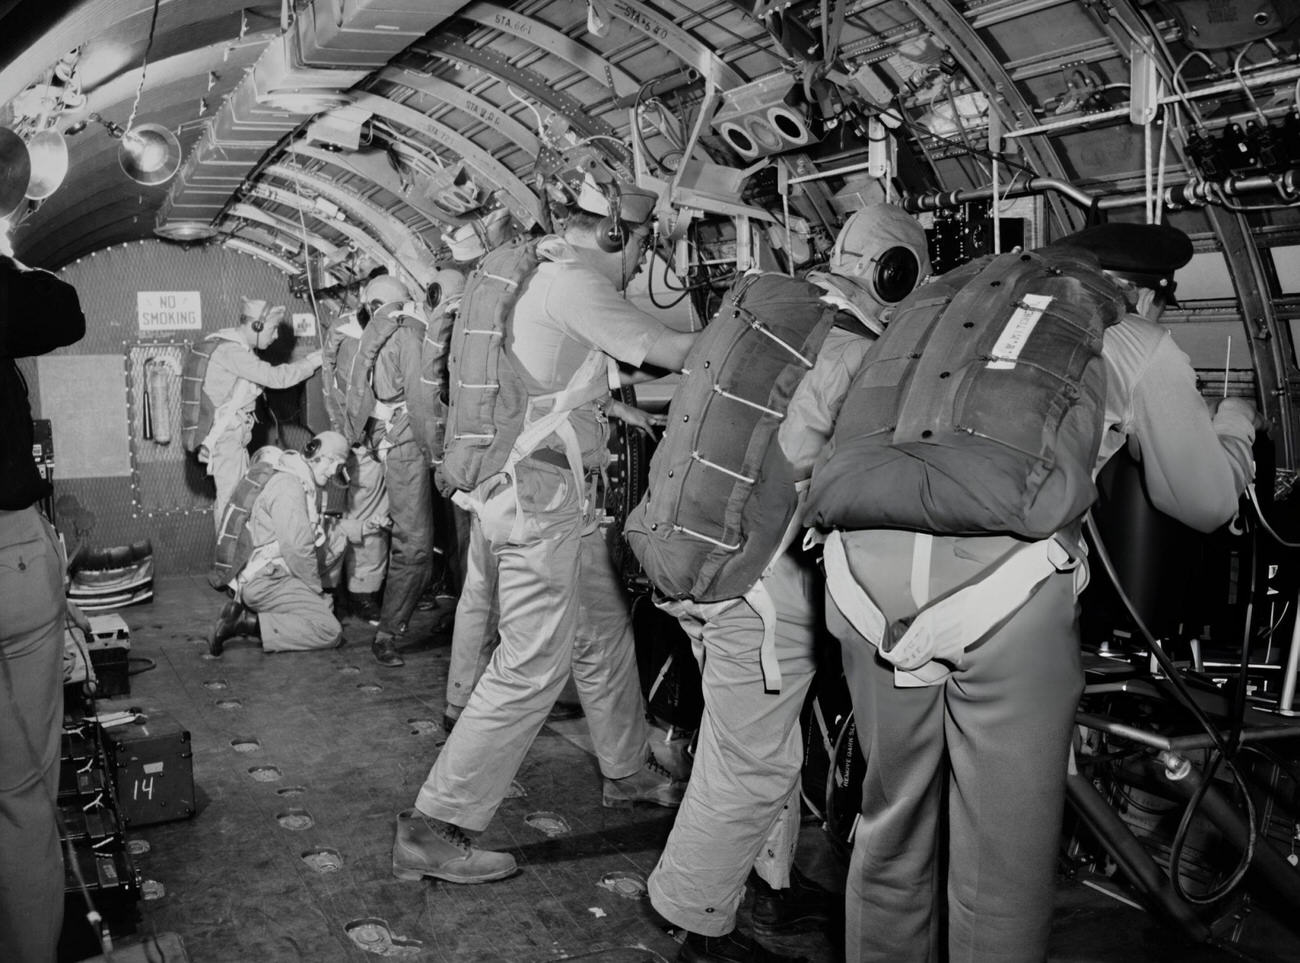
[{"x": 1223, "y": 752}]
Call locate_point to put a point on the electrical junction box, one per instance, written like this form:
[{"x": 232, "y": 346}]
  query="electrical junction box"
[
  {"x": 153, "y": 770},
  {"x": 109, "y": 647}
]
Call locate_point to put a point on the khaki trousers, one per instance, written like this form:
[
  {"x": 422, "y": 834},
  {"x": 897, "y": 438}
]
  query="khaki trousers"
[
  {"x": 742, "y": 799},
  {"x": 32, "y": 612},
  {"x": 293, "y": 617},
  {"x": 227, "y": 464},
  {"x": 474, "y": 635},
  {"x": 554, "y": 574}
]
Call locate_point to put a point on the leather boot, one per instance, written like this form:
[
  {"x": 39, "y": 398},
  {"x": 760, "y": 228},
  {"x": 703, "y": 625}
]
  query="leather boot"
[
  {"x": 449, "y": 717},
  {"x": 249, "y": 624},
  {"x": 431, "y": 847},
  {"x": 735, "y": 947},
  {"x": 652, "y": 784},
  {"x": 364, "y": 606},
  {"x": 385, "y": 652},
  {"x": 226, "y": 627},
  {"x": 803, "y": 907}
]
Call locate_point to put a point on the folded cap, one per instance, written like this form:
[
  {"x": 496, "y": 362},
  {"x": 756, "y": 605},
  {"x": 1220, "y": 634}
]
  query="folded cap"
[
  {"x": 1146, "y": 254},
  {"x": 255, "y": 309},
  {"x": 635, "y": 206}
]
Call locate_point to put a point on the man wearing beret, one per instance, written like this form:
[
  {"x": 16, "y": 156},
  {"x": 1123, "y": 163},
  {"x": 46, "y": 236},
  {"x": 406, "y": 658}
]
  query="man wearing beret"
[
  {"x": 233, "y": 382},
  {"x": 991, "y": 720}
]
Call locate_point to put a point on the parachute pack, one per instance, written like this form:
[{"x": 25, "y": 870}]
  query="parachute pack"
[
  {"x": 234, "y": 541},
  {"x": 197, "y": 410},
  {"x": 359, "y": 402},
  {"x": 434, "y": 376},
  {"x": 338, "y": 358},
  {"x": 488, "y": 398},
  {"x": 721, "y": 492},
  {"x": 980, "y": 409}
]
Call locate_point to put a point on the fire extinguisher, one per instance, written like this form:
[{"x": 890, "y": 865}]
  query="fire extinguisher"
[{"x": 157, "y": 426}]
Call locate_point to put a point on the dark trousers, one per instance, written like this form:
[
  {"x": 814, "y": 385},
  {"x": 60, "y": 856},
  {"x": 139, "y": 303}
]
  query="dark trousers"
[
  {"x": 996, "y": 733},
  {"x": 410, "y": 504}
]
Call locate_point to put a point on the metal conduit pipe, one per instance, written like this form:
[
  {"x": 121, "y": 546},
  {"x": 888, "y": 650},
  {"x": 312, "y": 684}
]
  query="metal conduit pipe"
[
  {"x": 1193, "y": 193},
  {"x": 1133, "y": 860},
  {"x": 1281, "y": 878}
]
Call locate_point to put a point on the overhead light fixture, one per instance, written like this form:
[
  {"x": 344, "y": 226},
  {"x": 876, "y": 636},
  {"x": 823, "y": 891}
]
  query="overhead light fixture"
[
  {"x": 186, "y": 231},
  {"x": 49, "y": 160},
  {"x": 149, "y": 154}
]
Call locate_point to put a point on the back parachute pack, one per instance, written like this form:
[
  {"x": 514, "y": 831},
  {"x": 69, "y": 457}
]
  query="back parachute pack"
[
  {"x": 487, "y": 397},
  {"x": 980, "y": 409},
  {"x": 434, "y": 373},
  {"x": 721, "y": 492},
  {"x": 234, "y": 542},
  {"x": 197, "y": 410}
]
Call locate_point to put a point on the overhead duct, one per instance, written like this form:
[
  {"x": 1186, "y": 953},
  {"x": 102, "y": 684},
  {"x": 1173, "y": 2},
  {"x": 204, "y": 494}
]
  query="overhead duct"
[{"x": 331, "y": 47}]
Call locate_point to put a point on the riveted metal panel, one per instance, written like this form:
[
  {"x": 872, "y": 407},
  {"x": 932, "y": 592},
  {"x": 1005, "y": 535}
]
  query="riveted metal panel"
[{"x": 167, "y": 498}]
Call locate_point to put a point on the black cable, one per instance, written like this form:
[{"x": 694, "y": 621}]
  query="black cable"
[
  {"x": 140, "y": 658},
  {"x": 650, "y": 281},
  {"x": 1223, "y": 752}
]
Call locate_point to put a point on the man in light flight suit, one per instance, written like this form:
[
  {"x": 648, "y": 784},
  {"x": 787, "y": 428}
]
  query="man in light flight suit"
[
  {"x": 278, "y": 593},
  {"x": 741, "y": 807},
  {"x": 233, "y": 382},
  {"x": 570, "y": 318}
]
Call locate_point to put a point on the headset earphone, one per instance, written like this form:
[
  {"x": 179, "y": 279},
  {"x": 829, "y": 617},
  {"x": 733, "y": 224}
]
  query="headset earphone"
[
  {"x": 895, "y": 274},
  {"x": 312, "y": 449},
  {"x": 611, "y": 234},
  {"x": 258, "y": 325}
]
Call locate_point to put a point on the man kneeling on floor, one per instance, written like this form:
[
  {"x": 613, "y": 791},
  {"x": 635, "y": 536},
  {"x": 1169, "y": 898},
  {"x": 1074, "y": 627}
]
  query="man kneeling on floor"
[{"x": 267, "y": 551}]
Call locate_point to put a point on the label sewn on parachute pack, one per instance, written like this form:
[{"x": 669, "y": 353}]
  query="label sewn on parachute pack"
[{"x": 1016, "y": 334}]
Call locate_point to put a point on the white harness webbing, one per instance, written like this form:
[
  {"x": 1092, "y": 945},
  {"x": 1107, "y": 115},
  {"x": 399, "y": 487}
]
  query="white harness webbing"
[
  {"x": 546, "y": 415},
  {"x": 760, "y": 600},
  {"x": 943, "y": 629},
  {"x": 386, "y": 414}
]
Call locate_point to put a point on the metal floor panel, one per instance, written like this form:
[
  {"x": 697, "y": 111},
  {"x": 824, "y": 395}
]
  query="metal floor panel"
[{"x": 287, "y": 858}]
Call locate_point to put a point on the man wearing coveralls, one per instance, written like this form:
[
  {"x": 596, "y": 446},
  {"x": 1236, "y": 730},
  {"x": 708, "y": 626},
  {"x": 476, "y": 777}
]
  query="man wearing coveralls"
[
  {"x": 232, "y": 384},
  {"x": 570, "y": 318},
  {"x": 398, "y": 433},
  {"x": 278, "y": 595},
  {"x": 994, "y": 721},
  {"x": 742, "y": 804}
]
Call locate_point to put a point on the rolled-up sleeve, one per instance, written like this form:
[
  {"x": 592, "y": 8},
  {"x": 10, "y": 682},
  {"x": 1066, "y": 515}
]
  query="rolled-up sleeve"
[
  {"x": 1195, "y": 467},
  {"x": 596, "y": 314}
]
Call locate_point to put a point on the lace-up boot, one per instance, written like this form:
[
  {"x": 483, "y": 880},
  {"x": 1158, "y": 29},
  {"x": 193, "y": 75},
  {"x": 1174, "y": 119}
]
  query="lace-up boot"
[
  {"x": 734, "y": 947},
  {"x": 430, "y": 847},
  {"x": 652, "y": 784}
]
